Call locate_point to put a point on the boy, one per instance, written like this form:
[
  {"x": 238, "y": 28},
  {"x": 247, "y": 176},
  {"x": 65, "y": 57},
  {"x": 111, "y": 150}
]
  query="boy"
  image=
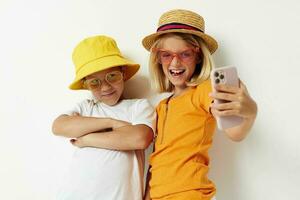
[{"x": 111, "y": 131}]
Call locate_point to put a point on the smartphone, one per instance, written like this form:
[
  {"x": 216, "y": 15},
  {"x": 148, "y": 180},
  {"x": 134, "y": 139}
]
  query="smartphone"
[{"x": 225, "y": 75}]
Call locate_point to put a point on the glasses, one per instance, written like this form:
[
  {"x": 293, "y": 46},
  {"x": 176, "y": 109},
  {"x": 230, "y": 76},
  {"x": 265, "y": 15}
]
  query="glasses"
[
  {"x": 186, "y": 56},
  {"x": 111, "y": 78}
]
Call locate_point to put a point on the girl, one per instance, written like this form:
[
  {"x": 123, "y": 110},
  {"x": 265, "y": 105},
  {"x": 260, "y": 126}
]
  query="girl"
[
  {"x": 181, "y": 62},
  {"x": 111, "y": 131}
]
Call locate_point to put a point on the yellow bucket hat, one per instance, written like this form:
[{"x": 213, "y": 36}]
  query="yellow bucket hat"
[{"x": 96, "y": 54}]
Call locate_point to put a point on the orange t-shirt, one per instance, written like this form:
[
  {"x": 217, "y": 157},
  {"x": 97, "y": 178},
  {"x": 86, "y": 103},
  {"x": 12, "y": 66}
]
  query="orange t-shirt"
[{"x": 180, "y": 161}]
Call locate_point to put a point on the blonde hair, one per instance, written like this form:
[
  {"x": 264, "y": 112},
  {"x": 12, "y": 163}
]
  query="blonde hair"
[{"x": 202, "y": 70}]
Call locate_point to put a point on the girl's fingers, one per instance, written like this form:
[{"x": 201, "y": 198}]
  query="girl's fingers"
[
  {"x": 224, "y": 96},
  {"x": 227, "y": 88},
  {"x": 220, "y": 113},
  {"x": 227, "y": 106}
]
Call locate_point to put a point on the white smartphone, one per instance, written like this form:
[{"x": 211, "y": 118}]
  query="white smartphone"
[{"x": 225, "y": 75}]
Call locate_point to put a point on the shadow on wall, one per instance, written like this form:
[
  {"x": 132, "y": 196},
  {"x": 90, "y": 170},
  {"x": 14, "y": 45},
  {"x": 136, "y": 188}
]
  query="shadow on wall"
[
  {"x": 137, "y": 87},
  {"x": 140, "y": 87}
]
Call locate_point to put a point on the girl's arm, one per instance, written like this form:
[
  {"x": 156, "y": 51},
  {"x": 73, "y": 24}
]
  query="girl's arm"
[
  {"x": 130, "y": 137},
  {"x": 240, "y": 104},
  {"x": 76, "y": 125}
]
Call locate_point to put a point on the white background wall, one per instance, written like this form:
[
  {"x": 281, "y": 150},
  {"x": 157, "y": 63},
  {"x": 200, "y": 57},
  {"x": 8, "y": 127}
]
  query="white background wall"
[{"x": 36, "y": 41}]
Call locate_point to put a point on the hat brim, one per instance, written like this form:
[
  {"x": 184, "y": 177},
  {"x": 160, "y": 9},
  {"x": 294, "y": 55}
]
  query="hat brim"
[
  {"x": 103, "y": 64},
  {"x": 210, "y": 42}
]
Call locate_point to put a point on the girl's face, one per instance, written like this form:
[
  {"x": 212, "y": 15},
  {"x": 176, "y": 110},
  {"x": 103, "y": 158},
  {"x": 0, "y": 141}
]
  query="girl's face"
[
  {"x": 107, "y": 86},
  {"x": 178, "y": 60}
]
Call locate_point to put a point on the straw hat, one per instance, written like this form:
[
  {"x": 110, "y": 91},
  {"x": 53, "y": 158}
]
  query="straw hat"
[
  {"x": 181, "y": 21},
  {"x": 96, "y": 54}
]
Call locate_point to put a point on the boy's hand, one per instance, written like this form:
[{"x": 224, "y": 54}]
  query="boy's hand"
[
  {"x": 75, "y": 114},
  {"x": 119, "y": 123},
  {"x": 77, "y": 142}
]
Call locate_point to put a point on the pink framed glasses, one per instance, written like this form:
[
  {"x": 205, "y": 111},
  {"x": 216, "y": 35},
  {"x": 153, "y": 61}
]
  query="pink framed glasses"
[{"x": 185, "y": 56}]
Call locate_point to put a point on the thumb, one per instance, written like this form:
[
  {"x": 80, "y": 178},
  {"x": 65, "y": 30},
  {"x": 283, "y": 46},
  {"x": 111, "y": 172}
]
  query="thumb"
[{"x": 73, "y": 141}]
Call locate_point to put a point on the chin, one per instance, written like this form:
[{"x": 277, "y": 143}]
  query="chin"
[
  {"x": 179, "y": 83},
  {"x": 110, "y": 102}
]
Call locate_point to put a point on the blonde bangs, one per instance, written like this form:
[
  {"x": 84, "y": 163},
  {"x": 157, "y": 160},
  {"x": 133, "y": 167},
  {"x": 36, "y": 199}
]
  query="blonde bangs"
[{"x": 160, "y": 82}]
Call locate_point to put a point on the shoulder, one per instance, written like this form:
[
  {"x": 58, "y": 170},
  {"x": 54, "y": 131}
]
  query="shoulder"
[
  {"x": 205, "y": 85},
  {"x": 80, "y": 107},
  {"x": 201, "y": 96},
  {"x": 142, "y": 103},
  {"x": 135, "y": 103},
  {"x": 86, "y": 103},
  {"x": 203, "y": 88}
]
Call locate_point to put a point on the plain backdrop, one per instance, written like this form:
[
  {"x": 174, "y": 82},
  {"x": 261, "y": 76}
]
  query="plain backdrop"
[{"x": 261, "y": 38}]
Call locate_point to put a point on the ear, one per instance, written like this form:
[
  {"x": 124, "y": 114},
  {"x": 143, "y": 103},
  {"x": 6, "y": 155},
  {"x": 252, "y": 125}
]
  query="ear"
[{"x": 82, "y": 81}]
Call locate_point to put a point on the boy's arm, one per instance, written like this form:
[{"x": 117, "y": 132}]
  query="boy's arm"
[
  {"x": 131, "y": 137},
  {"x": 77, "y": 126}
]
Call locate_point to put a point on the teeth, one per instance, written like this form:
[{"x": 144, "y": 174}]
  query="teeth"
[{"x": 176, "y": 71}]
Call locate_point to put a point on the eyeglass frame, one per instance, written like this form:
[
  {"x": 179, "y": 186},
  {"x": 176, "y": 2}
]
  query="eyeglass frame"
[
  {"x": 173, "y": 54},
  {"x": 85, "y": 85}
]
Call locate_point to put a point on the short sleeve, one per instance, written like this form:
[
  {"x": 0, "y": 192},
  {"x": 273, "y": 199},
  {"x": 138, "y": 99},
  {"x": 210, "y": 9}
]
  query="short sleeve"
[
  {"x": 201, "y": 96},
  {"x": 144, "y": 113},
  {"x": 78, "y": 108}
]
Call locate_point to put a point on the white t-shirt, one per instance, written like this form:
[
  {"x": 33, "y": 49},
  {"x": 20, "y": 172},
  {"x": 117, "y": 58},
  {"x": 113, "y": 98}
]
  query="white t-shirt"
[{"x": 101, "y": 174}]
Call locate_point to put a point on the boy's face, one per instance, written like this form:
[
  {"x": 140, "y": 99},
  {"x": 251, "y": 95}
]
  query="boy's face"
[{"x": 107, "y": 86}]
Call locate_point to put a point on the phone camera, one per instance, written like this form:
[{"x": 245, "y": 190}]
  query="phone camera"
[{"x": 217, "y": 81}]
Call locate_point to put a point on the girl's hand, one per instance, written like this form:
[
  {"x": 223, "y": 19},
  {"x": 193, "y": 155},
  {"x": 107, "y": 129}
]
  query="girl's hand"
[{"x": 239, "y": 102}]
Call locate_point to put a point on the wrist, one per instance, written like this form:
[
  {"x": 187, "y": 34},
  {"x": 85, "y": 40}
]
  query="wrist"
[
  {"x": 86, "y": 140},
  {"x": 254, "y": 112}
]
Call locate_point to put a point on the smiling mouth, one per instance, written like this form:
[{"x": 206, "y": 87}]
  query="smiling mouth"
[
  {"x": 108, "y": 94},
  {"x": 176, "y": 72}
]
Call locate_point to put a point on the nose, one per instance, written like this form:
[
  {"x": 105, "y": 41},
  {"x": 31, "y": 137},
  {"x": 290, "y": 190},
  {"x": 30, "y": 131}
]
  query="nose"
[
  {"x": 175, "y": 61},
  {"x": 105, "y": 85}
]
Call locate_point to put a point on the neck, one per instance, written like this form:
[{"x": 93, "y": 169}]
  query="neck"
[{"x": 179, "y": 90}]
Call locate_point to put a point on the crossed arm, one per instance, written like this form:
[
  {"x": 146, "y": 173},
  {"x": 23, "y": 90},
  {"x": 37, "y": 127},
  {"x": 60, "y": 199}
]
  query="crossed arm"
[{"x": 105, "y": 133}]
